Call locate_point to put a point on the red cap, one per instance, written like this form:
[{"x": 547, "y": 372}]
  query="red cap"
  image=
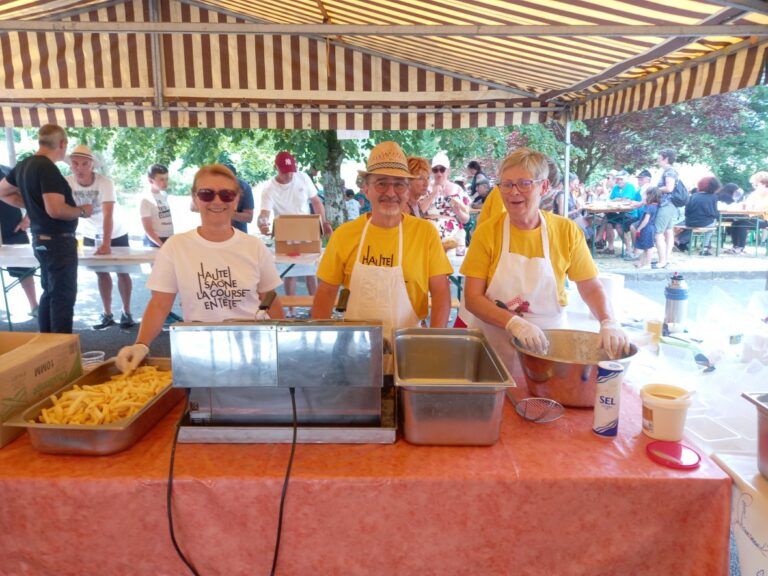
[{"x": 285, "y": 162}]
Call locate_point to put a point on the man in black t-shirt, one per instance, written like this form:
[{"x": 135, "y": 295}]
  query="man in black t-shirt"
[{"x": 36, "y": 184}]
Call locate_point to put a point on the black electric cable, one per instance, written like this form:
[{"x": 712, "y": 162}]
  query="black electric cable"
[
  {"x": 168, "y": 500},
  {"x": 285, "y": 482}
]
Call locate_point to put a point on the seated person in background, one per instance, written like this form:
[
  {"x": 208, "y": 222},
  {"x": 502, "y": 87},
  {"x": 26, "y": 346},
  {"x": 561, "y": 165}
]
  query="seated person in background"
[
  {"x": 483, "y": 188},
  {"x": 643, "y": 183},
  {"x": 391, "y": 262},
  {"x": 352, "y": 205},
  {"x": 573, "y": 209},
  {"x": 419, "y": 184},
  {"x": 555, "y": 179},
  {"x": 701, "y": 212},
  {"x": 220, "y": 272},
  {"x": 756, "y": 201},
  {"x": 476, "y": 175},
  {"x": 621, "y": 221},
  {"x": 728, "y": 194}
]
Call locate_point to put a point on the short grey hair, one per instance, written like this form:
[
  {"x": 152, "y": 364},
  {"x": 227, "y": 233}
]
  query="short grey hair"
[
  {"x": 535, "y": 162},
  {"x": 51, "y": 135}
]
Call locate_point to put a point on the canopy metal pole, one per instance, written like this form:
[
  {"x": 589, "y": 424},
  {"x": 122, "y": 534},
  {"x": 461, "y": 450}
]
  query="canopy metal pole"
[
  {"x": 567, "y": 170},
  {"x": 415, "y": 30},
  {"x": 157, "y": 70},
  {"x": 11, "y": 147}
]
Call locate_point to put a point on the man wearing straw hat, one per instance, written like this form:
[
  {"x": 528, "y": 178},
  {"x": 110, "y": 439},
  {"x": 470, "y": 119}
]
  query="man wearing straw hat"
[
  {"x": 88, "y": 187},
  {"x": 391, "y": 262}
]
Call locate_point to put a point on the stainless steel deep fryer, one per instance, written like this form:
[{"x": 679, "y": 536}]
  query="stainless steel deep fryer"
[{"x": 239, "y": 374}]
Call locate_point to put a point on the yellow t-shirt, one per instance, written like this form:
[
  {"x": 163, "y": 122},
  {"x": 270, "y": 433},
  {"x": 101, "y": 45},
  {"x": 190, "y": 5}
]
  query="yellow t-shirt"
[
  {"x": 423, "y": 255},
  {"x": 493, "y": 206},
  {"x": 567, "y": 249}
]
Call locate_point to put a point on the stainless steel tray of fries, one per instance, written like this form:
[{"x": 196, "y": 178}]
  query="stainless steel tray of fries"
[{"x": 97, "y": 439}]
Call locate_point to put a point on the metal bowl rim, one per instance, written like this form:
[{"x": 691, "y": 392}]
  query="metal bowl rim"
[{"x": 523, "y": 350}]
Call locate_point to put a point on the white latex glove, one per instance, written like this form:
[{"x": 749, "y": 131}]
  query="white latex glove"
[
  {"x": 530, "y": 335},
  {"x": 613, "y": 339},
  {"x": 130, "y": 357}
]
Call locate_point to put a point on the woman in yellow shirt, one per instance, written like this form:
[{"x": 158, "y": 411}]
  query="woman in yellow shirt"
[{"x": 521, "y": 258}]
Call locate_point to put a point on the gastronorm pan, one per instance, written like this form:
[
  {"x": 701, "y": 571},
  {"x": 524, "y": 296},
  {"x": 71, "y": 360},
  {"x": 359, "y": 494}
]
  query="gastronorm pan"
[
  {"x": 760, "y": 400},
  {"x": 452, "y": 386},
  {"x": 96, "y": 440}
]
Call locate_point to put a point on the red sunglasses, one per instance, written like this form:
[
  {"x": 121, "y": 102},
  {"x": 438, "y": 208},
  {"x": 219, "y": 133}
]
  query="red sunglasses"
[
  {"x": 207, "y": 195},
  {"x": 436, "y": 169}
]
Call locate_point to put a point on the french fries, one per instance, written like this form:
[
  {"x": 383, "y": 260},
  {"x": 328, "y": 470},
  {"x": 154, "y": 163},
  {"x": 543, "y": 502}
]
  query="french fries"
[{"x": 119, "y": 398}]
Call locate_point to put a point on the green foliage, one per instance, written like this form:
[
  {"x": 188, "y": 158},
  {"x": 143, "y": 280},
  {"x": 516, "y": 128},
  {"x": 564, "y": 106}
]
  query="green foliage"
[{"x": 727, "y": 132}]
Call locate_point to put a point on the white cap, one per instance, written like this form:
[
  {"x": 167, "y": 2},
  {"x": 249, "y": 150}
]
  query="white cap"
[{"x": 441, "y": 159}]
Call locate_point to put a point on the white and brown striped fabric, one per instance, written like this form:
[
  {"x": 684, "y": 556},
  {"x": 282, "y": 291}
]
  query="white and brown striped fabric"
[{"x": 365, "y": 81}]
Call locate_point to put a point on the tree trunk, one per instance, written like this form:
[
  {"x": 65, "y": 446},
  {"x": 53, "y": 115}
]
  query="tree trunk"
[{"x": 333, "y": 184}]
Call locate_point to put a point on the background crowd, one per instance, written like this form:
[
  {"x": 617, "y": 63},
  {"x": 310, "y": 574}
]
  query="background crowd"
[{"x": 659, "y": 214}]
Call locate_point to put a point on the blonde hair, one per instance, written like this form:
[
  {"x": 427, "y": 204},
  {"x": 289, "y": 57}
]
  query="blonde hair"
[
  {"x": 535, "y": 162},
  {"x": 215, "y": 170},
  {"x": 51, "y": 135},
  {"x": 417, "y": 164},
  {"x": 759, "y": 178}
]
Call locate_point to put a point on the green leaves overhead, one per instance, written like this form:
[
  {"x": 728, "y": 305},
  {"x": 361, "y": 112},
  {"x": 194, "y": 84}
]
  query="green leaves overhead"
[{"x": 728, "y": 132}]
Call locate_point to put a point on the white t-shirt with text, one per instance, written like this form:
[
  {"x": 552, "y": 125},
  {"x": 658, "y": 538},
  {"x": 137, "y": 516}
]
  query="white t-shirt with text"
[
  {"x": 155, "y": 205},
  {"x": 96, "y": 194},
  {"x": 216, "y": 281}
]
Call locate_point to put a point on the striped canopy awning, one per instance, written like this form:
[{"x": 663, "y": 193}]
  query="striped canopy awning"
[{"x": 367, "y": 64}]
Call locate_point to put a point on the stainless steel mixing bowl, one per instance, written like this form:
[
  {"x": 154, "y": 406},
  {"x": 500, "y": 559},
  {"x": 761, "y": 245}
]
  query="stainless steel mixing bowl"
[{"x": 568, "y": 371}]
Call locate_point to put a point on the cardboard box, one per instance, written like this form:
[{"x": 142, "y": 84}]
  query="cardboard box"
[
  {"x": 297, "y": 234},
  {"x": 749, "y": 510},
  {"x": 33, "y": 366}
]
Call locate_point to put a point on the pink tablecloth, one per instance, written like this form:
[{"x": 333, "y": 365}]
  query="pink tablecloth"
[{"x": 546, "y": 499}]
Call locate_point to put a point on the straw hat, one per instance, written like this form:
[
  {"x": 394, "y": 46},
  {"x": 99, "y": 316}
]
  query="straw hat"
[
  {"x": 82, "y": 151},
  {"x": 387, "y": 158}
]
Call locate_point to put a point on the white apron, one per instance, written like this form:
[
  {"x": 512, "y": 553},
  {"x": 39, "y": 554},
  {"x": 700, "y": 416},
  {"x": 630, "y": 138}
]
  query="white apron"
[
  {"x": 378, "y": 292},
  {"x": 523, "y": 279}
]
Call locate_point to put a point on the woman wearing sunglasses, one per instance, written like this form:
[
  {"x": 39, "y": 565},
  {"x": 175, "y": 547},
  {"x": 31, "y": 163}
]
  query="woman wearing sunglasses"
[
  {"x": 220, "y": 273},
  {"x": 517, "y": 264},
  {"x": 447, "y": 205}
]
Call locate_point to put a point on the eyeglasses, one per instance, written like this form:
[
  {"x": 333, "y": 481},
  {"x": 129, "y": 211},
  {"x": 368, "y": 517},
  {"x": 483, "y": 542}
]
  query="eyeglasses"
[
  {"x": 207, "y": 195},
  {"x": 384, "y": 185},
  {"x": 522, "y": 184},
  {"x": 436, "y": 169}
]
